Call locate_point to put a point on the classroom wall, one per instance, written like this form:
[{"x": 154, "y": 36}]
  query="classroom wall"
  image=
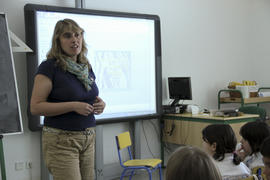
[
  {"x": 260, "y": 33},
  {"x": 213, "y": 41}
]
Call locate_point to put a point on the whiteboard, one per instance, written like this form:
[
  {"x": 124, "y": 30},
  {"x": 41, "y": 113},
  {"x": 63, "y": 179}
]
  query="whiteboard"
[{"x": 10, "y": 111}]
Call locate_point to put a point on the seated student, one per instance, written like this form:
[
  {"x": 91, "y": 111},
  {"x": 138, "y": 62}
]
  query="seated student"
[
  {"x": 253, "y": 134},
  {"x": 265, "y": 151},
  {"x": 220, "y": 143},
  {"x": 191, "y": 163}
]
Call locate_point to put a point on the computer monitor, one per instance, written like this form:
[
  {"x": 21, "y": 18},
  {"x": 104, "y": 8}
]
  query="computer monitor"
[{"x": 179, "y": 89}]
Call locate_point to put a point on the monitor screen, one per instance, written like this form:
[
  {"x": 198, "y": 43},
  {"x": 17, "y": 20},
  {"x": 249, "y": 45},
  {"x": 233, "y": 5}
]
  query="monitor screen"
[
  {"x": 123, "y": 48},
  {"x": 180, "y": 88}
]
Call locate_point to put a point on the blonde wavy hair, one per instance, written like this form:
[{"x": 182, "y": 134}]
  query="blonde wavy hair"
[{"x": 56, "y": 51}]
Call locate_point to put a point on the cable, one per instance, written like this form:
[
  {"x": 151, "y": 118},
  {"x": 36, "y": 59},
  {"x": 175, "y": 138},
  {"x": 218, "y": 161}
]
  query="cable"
[
  {"x": 147, "y": 140},
  {"x": 170, "y": 102},
  {"x": 172, "y": 129},
  {"x": 156, "y": 128},
  {"x": 187, "y": 131}
]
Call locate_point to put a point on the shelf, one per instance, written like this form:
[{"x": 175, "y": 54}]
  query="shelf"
[
  {"x": 241, "y": 100},
  {"x": 254, "y": 100}
]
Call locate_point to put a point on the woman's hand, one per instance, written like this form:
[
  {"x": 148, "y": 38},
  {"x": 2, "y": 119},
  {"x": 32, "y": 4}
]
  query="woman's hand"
[
  {"x": 83, "y": 108},
  {"x": 99, "y": 105}
]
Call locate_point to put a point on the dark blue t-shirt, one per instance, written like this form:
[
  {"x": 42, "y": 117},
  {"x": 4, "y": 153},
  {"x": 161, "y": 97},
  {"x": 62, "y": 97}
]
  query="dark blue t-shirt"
[{"x": 67, "y": 87}]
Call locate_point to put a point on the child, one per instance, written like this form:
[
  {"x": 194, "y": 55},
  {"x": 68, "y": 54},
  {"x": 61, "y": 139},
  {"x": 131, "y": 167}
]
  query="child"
[
  {"x": 253, "y": 134},
  {"x": 191, "y": 163},
  {"x": 220, "y": 143},
  {"x": 265, "y": 151}
]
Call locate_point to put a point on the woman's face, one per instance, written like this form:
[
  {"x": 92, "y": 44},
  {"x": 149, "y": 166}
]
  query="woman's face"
[
  {"x": 245, "y": 146},
  {"x": 71, "y": 43}
]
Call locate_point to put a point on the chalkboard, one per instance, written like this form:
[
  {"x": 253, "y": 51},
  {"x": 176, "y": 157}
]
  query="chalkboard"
[{"x": 10, "y": 113}]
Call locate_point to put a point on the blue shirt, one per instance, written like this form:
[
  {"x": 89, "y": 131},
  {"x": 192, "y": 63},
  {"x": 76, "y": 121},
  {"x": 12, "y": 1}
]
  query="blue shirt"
[{"x": 67, "y": 87}]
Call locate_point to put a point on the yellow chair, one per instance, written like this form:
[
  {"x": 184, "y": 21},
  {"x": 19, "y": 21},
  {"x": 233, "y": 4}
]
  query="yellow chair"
[
  {"x": 123, "y": 142},
  {"x": 258, "y": 171}
]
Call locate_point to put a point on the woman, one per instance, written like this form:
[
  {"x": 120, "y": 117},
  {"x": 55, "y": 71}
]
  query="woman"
[
  {"x": 65, "y": 93},
  {"x": 253, "y": 134},
  {"x": 191, "y": 163},
  {"x": 219, "y": 141}
]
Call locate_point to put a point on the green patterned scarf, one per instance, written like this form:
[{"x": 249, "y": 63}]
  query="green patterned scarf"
[{"x": 81, "y": 71}]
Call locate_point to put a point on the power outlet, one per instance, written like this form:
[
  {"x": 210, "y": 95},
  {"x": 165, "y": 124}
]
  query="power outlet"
[
  {"x": 28, "y": 165},
  {"x": 19, "y": 166}
]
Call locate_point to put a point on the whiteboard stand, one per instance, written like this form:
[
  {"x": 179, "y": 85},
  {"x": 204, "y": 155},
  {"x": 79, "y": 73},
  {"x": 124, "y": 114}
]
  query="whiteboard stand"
[{"x": 2, "y": 159}]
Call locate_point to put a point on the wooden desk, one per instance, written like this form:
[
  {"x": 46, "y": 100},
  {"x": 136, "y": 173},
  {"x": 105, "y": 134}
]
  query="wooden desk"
[{"x": 188, "y": 127}]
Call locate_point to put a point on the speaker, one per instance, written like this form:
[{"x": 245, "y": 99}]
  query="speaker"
[
  {"x": 168, "y": 109},
  {"x": 180, "y": 108}
]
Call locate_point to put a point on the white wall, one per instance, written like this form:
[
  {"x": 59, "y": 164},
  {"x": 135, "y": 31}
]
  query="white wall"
[
  {"x": 213, "y": 41},
  {"x": 260, "y": 43},
  {"x": 208, "y": 40}
]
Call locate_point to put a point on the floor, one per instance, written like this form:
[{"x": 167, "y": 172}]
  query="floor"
[{"x": 142, "y": 175}]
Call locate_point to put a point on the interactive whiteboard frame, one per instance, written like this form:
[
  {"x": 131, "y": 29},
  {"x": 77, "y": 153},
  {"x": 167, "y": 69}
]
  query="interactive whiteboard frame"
[{"x": 31, "y": 33}]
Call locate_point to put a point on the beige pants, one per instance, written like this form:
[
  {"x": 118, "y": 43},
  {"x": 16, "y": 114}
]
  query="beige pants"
[{"x": 69, "y": 155}]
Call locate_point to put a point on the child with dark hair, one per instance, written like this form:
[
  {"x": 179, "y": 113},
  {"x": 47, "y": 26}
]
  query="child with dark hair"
[
  {"x": 253, "y": 134},
  {"x": 219, "y": 141},
  {"x": 265, "y": 151}
]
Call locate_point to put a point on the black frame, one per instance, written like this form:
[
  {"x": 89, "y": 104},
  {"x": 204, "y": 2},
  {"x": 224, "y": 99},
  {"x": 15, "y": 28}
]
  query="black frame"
[{"x": 30, "y": 35}]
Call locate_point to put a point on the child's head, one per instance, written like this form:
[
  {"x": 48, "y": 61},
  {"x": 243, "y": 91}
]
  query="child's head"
[
  {"x": 253, "y": 134},
  {"x": 191, "y": 163},
  {"x": 218, "y": 140}
]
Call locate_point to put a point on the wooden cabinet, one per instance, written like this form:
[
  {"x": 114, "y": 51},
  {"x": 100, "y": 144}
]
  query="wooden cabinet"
[{"x": 187, "y": 128}]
